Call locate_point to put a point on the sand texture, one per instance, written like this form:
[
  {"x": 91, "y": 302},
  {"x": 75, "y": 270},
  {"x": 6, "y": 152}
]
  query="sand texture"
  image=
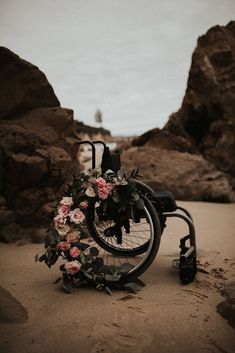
[{"x": 164, "y": 317}]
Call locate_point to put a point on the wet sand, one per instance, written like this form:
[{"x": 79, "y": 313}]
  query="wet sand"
[{"x": 164, "y": 316}]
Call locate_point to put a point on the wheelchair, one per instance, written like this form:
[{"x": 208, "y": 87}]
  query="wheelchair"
[{"x": 135, "y": 242}]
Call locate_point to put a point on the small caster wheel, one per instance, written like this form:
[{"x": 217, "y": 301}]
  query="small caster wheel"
[
  {"x": 187, "y": 275},
  {"x": 187, "y": 271}
]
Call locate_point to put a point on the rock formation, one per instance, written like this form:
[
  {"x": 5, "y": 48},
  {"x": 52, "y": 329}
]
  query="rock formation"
[
  {"x": 227, "y": 308},
  {"x": 202, "y": 132},
  {"x": 91, "y": 132},
  {"x": 37, "y": 149},
  {"x": 207, "y": 115}
]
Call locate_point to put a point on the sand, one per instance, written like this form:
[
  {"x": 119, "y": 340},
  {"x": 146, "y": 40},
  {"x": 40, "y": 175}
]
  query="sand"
[{"x": 164, "y": 317}]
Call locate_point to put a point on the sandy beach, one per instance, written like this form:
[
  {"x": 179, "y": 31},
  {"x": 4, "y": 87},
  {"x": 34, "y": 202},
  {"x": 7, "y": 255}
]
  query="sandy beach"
[{"x": 164, "y": 316}]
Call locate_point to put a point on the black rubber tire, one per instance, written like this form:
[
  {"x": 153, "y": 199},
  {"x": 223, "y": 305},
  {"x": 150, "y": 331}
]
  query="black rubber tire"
[{"x": 151, "y": 247}]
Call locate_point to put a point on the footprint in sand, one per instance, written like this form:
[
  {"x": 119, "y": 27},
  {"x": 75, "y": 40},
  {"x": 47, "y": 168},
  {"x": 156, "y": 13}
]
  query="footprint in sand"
[
  {"x": 232, "y": 265},
  {"x": 123, "y": 333}
]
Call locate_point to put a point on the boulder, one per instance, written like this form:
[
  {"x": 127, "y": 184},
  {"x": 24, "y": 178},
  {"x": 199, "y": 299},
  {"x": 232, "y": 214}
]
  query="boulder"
[
  {"x": 193, "y": 155},
  {"x": 227, "y": 307},
  {"x": 23, "y": 86},
  {"x": 38, "y": 149},
  {"x": 207, "y": 115},
  {"x": 187, "y": 176},
  {"x": 164, "y": 140},
  {"x": 11, "y": 310}
]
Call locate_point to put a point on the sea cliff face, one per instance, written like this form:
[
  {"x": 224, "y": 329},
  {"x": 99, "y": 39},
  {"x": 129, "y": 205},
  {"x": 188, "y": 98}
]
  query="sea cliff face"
[{"x": 201, "y": 133}]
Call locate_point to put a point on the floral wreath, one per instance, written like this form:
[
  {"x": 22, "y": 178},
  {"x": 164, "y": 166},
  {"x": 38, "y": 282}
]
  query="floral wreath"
[{"x": 83, "y": 266}]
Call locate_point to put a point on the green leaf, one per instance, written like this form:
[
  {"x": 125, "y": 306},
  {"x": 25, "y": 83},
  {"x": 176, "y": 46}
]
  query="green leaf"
[
  {"x": 67, "y": 287},
  {"x": 123, "y": 182},
  {"x": 98, "y": 262},
  {"x": 135, "y": 196},
  {"x": 139, "y": 204},
  {"x": 113, "y": 269},
  {"x": 115, "y": 197},
  {"x": 88, "y": 275},
  {"x": 94, "y": 251},
  {"x": 132, "y": 287},
  {"x": 109, "y": 171},
  {"x": 57, "y": 280},
  {"x": 82, "y": 258},
  {"x": 108, "y": 290},
  {"x": 125, "y": 267},
  {"x": 112, "y": 278},
  {"x": 42, "y": 258}
]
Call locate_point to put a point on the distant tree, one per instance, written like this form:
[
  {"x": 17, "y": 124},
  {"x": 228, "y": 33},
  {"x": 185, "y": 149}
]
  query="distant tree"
[{"x": 98, "y": 117}]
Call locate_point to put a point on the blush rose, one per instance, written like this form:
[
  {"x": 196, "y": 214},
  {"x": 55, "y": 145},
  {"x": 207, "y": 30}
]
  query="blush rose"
[
  {"x": 73, "y": 237},
  {"x": 76, "y": 216},
  {"x": 66, "y": 201},
  {"x": 72, "y": 267},
  {"x": 74, "y": 252},
  {"x": 63, "y": 245}
]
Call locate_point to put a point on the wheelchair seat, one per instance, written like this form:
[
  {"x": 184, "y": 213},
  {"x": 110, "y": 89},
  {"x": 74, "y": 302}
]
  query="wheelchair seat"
[{"x": 165, "y": 201}]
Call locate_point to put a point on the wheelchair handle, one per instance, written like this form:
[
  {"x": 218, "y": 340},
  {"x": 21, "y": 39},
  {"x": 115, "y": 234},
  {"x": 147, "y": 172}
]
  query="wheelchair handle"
[
  {"x": 92, "y": 144},
  {"x": 92, "y": 149}
]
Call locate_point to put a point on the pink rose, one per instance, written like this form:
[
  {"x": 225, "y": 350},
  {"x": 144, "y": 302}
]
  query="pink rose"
[
  {"x": 72, "y": 267},
  {"x": 63, "y": 210},
  {"x": 103, "y": 195},
  {"x": 76, "y": 216},
  {"x": 62, "y": 229},
  {"x": 100, "y": 182},
  {"x": 104, "y": 188},
  {"x": 63, "y": 245},
  {"x": 109, "y": 187},
  {"x": 59, "y": 220},
  {"x": 105, "y": 191},
  {"x": 74, "y": 252},
  {"x": 66, "y": 201},
  {"x": 83, "y": 204},
  {"x": 73, "y": 237}
]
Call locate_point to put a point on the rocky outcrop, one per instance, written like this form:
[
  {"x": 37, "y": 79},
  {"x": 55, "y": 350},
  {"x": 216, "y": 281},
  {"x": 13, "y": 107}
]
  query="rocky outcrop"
[
  {"x": 38, "y": 150},
  {"x": 227, "y": 308},
  {"x": 202, "y": 132},
  {"x": 164, "y": 140},
  {"x": 23, "y": 86},
  {"x": 187, "y": 176},
  {"x": 91, "y": 132},
  {"x": 11, "y": 310},
  {"x": 207, "y": 115}
]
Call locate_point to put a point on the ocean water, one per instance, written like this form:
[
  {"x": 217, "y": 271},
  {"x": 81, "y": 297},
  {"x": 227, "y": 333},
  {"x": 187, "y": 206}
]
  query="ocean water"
[{"x": 128, "y": 58}]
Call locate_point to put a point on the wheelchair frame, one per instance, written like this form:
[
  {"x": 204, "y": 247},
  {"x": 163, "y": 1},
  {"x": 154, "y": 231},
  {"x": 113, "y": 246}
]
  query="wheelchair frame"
[{"x": 186, "y": 264}]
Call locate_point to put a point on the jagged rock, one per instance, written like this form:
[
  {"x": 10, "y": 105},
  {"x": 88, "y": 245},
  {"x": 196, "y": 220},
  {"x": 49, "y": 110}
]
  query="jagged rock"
[
  {"x": 23, "y": 86},
  {"x": 207, "y": 115},
  {"x": 11, "y": 310},
  {"x": 204, "y": 126},
  {"x": 38, "y": 149},
  {"x": 6, "y": 216},
  {"x": 187, "y": 176},
  {"x": 11, "y": 232},
  {"x": 227, "y": 308},
  {"x": 26, "y": 171},
  {"x": 90, "y": 131},
  {"x": 38, "y": 235},
  {"x": 2, "y": 201},
  {"x": 164, "y": 140}
]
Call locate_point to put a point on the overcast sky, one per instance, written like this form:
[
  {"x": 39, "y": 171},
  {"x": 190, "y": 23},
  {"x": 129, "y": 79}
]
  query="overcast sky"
[{"x": 128, "y": 58}]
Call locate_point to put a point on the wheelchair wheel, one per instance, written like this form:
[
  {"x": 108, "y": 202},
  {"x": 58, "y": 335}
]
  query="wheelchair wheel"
[{"x": 137, "y": 248}]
